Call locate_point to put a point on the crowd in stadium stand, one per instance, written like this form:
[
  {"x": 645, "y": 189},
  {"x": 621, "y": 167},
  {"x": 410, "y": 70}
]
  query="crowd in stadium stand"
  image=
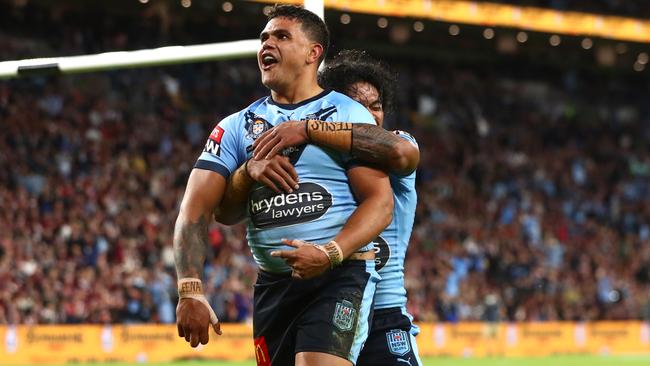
[
  {"x": 533, "y": 193},
  {"x": 532, "y": 204}
]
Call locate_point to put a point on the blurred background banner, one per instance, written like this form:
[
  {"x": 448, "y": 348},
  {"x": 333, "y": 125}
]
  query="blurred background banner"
[
  {"x": 24, "y": 345},
  {"x": 63, "y": 344},
  {"x": 500, "y": 15}
]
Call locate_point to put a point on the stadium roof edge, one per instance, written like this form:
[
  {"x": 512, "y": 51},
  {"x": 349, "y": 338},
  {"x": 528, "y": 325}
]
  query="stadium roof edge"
[{"x": 500, "y": 15}]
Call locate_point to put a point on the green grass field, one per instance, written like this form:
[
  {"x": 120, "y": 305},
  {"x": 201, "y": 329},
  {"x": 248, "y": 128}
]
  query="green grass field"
[{"x": 547, "y": 361}]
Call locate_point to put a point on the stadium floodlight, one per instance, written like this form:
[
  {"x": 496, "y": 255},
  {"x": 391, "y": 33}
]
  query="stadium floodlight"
[{"x": 129, "y": 59}]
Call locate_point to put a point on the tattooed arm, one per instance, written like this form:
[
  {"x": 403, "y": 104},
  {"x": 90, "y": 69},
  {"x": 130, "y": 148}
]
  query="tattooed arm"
[
  {"x": 368, "y": 143},
  {"x": 193, "y": 313},
  {"x": 203, "y": 193},
  {"x": 373, "y": 144}
]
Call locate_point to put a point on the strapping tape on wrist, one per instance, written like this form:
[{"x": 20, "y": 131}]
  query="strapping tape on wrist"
[
  {"x": 192, "y": 288},
  {"x": 333, "y": 251}
]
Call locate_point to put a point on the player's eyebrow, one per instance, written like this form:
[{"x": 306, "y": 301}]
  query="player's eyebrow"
[
  {"x": 264, "y": 35},
  {"x": 376, "y": 104}
]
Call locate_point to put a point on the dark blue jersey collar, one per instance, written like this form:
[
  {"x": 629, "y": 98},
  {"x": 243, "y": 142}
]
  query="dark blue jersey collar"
[{"x": 296, "y": 105}]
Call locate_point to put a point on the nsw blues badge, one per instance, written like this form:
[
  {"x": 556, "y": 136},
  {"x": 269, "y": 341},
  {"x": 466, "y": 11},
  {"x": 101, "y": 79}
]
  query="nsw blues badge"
[
  {"x": 255, "y": 125},
  {"x": 344, "y": 315},
  {"x": 398, "y": 342}
]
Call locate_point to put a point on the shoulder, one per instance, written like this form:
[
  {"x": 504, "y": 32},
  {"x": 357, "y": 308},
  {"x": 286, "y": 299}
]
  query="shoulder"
[
  {"x": 406, "y": 136},
  {"x": 342, "y": 100},
  {"x": 350, "y": 109}
]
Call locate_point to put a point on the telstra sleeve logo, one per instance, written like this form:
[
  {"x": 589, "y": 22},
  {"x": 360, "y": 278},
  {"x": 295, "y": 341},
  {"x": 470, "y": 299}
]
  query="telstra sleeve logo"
[{"x": 268, "y": 209}]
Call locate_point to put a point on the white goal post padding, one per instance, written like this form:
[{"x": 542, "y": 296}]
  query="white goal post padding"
[
  {"x": 140, "y": 58},
  {"x": 129, "y": 59}
]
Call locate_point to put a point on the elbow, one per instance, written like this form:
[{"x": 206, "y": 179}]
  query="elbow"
[{"x": 404, "y": 158}]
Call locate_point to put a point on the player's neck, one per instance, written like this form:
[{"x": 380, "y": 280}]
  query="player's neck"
[{"x": 295, "y": 93}]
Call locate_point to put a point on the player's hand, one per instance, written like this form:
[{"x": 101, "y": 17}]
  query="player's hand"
[
  {"x": 273, "y": 141},
  {"x": 306, "y": 261},
  {"x": 193, "y": 319},
  {"x": 273, "y": 173}
]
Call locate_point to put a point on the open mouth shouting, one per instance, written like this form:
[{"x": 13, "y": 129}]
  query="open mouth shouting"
[{"x": 268, "y": 61}]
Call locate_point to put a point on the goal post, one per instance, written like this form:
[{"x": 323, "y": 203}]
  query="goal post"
[
  {"x": 140, "y": 58},
  {"x": 129, "y": 59}
]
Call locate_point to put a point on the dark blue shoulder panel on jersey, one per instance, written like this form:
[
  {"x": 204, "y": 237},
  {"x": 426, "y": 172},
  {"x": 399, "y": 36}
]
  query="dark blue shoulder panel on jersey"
[{"x": 215, "y": 167}]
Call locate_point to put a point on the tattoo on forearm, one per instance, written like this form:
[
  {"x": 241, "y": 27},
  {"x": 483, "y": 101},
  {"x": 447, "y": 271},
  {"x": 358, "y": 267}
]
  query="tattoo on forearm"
[
  {"x": 322, "y": 126},
  {"x": 372, "y": 143},
  {"x": 190, "y": 242},
  {"x": 334, "y": 135}
]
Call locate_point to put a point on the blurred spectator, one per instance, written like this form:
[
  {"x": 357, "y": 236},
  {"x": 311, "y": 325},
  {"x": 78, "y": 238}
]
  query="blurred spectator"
[{"x": 533, "y": 193}]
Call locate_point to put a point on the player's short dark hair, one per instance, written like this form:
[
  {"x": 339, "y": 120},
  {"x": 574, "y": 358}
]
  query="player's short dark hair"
[
  {"x": 312, "y": 24},
  {"x": 351, "y": 66}
]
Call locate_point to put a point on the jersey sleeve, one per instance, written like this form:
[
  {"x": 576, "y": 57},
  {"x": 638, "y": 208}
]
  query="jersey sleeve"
[
  {"x": 407, "y": 136},
  {"x": 223, "y": 151}
]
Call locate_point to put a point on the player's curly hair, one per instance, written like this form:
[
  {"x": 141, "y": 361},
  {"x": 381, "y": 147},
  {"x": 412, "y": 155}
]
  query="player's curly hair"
[
  {"x": 312, "y": 25},
  {"x": 351, "y": 66}
]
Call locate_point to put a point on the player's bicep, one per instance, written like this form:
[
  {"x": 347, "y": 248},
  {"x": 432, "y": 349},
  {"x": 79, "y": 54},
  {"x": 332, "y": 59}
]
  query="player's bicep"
[
  {"x": 203, "y": 194},
  {"x": 370, "y": 183}
]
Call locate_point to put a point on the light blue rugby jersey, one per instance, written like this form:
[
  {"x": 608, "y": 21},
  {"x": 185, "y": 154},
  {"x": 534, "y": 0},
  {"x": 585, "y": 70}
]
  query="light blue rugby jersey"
[
  {"x": 392, "y": 242},
  {"x": 317, "y": 211}
]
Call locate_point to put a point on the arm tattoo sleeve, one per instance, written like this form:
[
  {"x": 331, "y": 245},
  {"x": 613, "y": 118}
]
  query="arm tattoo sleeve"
[
  {"x": 335, "y": 135},
  {"x": 190, "y": 242},
  {"x": 372, "y": 143}
]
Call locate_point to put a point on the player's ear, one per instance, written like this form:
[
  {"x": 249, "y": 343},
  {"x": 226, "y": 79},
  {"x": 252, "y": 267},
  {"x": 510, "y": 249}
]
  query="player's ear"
[{"x": 315, "y": 52}]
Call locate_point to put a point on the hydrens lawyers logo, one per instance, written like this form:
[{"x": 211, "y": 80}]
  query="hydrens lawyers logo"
[{"x": 307, "y": 203}]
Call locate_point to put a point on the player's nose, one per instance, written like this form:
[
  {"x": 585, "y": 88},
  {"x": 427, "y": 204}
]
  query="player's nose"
[{"x": 268, "y": 43}]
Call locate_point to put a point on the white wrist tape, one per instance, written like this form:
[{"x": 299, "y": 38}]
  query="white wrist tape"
[
  {"x": 192, "y": 288},
  {"x": 333, "y": 252}
]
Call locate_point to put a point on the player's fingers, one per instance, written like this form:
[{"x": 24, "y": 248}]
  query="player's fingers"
[
  {"x": 279, "y": 180},
  {"x": 278, "y": 253},
  {"x": 288, "y": 182},
  {"x": 295, "y": 243},
  {"x": 282, "y": 169},
  {"x": 188, "y": 333},
  {"x": 289, "y": 168},
  {"x": 288, "y": 242},
  {"x": 194, "y": 338},
  {"x": 276, "y": 148},
  {"x": 263, "y": 148},
  {"x": 204, "y": 337},
  {"x": 267, "y": 182},
  {"x": 217, "y": 328},
  {"x": 296, "y": 275},
  {"x": 262, "y": 138},
  {"x": 180, "y": 330}
]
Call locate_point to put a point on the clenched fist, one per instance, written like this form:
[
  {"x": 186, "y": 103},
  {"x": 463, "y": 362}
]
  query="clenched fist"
[{"x": 194, "y": 316}]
